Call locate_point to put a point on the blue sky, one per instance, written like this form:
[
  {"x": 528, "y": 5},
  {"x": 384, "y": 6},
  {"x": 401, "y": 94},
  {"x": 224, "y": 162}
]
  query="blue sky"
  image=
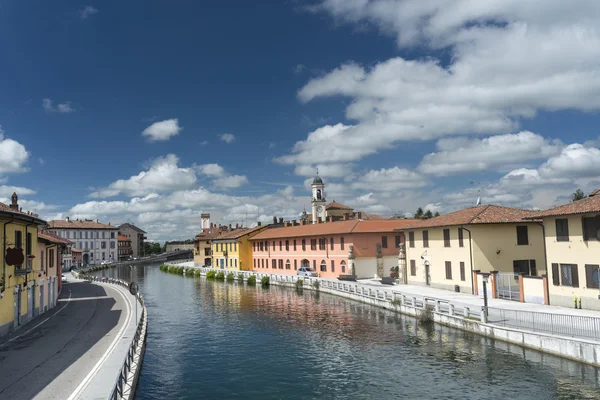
[{"x": 400, "y": 104}]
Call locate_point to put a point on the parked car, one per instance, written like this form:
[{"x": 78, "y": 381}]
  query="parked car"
[
  {"x": 63, "y": 278},
  {"x": 307, "y": 271}
]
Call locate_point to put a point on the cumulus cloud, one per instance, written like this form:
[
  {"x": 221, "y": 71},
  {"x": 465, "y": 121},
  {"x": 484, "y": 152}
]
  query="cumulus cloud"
[
  {"x": 220, "y": 178},
  {"x": 162, "y": 130},
  {"x": 468, "y": 155},
  {"x": 163, "y": 175},
  {"x": 13, "y": 155},
  {"x": 390, "y": 179},
  {"x": 87, "y": 11},
  {"x": 328, "y": 170},
  {"x": 7, "y": 191},
  {"x": 227, "y": 138},
  {"x": 63, "y": 108}
]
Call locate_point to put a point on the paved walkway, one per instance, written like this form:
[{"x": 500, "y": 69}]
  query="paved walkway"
[{"x": 73, "y": 351}]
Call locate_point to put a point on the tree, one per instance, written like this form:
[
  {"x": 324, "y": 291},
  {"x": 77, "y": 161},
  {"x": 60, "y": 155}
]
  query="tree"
[
  {"x": 428, "y": 214},
  {"x": 419, "y": 213},
  {"x": 437, "y": 214},
  {"x": 578, "y": 195}
]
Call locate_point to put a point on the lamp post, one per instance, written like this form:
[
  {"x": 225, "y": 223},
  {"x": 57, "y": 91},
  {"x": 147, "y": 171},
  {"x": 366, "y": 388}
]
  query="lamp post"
[{"x": 485, "y": 299}]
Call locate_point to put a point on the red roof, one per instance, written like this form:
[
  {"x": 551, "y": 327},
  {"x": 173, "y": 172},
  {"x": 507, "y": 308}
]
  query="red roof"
[
  {"x": 51, "y": 237},
  {"x": 122, "y": 238},
  {"x": 77, "y": 224},
  {"x": 339, "y": 206},
  {"x": 583, "y": 206},
  {"x": 238, "y": 233},
  {"x": 6, "y": 208},
  {"x": 488, "y": 214}
]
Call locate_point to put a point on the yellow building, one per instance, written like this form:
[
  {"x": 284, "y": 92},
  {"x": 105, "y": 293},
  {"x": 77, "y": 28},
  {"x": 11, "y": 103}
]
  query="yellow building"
[
  {"x": 19, "y": 291},
  {"x": 233, "y": 250},
  {"x": 444, "y": 251},
  {"x": 572, "y": 234}
]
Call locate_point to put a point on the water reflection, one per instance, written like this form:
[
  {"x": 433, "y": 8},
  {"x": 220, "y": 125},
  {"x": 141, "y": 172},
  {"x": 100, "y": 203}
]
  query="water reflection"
[{"x": 226, "y": 340}]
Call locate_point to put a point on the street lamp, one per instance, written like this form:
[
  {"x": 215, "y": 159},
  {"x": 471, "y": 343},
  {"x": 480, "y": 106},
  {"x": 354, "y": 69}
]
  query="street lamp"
[{"x": 485, "y": 299}]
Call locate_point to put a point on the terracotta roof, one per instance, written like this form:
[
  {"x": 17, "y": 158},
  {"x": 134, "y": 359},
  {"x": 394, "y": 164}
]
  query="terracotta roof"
[
  {"x": 6, "y": 208},
  {"x": 333, "y": 228},
  {"x": 583, "y": 206},
  {"x": 335, "y": 205},
  {"x": 77, "y": 224},
  {"x": 374, "y": 217},
  {"x": 488, "y": 214},
  {"x": 51, "y": 237},
  {"x": 238, "y": 233},
  {"x": 208, "y": 234},
  {"x": 122, "y": 238}
]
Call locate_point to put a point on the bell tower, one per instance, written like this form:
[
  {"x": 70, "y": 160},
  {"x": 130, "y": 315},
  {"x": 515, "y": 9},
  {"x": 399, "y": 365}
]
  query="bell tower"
[{"x": 318, "y": 201}]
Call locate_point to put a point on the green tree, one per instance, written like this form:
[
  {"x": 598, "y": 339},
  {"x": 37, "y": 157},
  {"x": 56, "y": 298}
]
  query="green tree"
[
  {"x": 437, "y": 214},
  {"x": 428, "y": 214},
  {"x": 578, "y": 195},
  {"x": 419, "y": 213}
]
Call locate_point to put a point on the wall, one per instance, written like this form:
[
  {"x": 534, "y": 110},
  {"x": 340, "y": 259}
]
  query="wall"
[
  {"x": 232, "y": 247},
  {"x": 575, "y": 251},
  {"x": 488, "y": 239},
  {"x": 176, "y": 247},
  {"x": 533, "y": 289},
  {"x": 437, "y": 255},
  {"x": 199, "y": 247},
  {"x": 94, "y": 245}
]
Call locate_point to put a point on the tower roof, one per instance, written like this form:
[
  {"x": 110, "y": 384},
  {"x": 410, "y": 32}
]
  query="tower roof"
[{"x": 317, "y": 180}]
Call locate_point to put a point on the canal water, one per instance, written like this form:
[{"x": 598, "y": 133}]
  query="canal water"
[{"x": 218, "y": 340}]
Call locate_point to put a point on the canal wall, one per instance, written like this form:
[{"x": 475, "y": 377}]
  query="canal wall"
[{"x": 442, "y": 312}]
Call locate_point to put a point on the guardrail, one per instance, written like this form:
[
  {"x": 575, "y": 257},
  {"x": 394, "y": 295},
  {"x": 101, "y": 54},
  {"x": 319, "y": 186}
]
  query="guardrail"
[{"x": 124, "y": 387}]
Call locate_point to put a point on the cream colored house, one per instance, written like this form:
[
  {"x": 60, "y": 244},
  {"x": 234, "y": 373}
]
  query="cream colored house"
[
  {"x": 443, "y": 252},
  {"x": 573, "y": 251}
]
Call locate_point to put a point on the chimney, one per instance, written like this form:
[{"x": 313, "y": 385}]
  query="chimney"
[
  {"x": 302, "y": 222},
  {"x": 14, "y": 205},
  {"x": 360, "y": 215},
  {"x": 318, "y": 220},
  {"x": 237, "y": 226},
  {"x": 346, "y": 216},
  {"x": 294, "y": 223},
  {"x": 275, "y": 220},
  {"x": 281, "y": 220},
  {"x": 96, "y": 220},
  {"x": 258, "y": 223},
  {"x": 330, "y": 218},
  {"x": 286, "y": 224},
  {"x": 67, "y": 219}
]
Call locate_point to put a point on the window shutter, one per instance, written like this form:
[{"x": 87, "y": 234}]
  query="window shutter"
[
  {"x": 555, "y": 275},
  {"x": 532, "y": 268},
  {"x": 575, "y": 273},
  {"x": 515, "y": 267}
]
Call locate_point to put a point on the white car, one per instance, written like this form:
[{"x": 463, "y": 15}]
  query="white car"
[{"x": 63, "y": 278}]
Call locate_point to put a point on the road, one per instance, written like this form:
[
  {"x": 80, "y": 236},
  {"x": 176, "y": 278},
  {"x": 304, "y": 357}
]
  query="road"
[{"x": 51, "y": 356}]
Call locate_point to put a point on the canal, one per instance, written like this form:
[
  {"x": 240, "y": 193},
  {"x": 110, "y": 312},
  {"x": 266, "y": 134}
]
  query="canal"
[{"x": 218, "y": 340}]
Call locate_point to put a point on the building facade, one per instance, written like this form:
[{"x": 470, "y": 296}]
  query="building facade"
[
  {"x": 233, "y": 249},
  {"x": 136, "y": 235},
  {"x": 179, "y": 245},
  {"x": 49, "y": 282},
  {"x": 125, "y": 248},
  {"x": 97, "y": 241},
  {"x": 19, "y": 291},
  {"x": 443, "y": 252},
  {"x": 371, "y": 248},
  {"x": 572, "y": 235}
]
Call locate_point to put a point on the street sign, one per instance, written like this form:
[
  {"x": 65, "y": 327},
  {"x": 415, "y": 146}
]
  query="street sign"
[{"x": 133, "y": 288}]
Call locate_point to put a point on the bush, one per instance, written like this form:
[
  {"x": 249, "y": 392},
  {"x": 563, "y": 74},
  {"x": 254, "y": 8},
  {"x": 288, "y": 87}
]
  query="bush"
[
  {"x": 180, "y": 270},
  {"x": 189, "y": 272},
  {"x": 265, "y": 281},
  {"x": 251, "y": 280},
  {"x": 230, "y": 277},
  {"x": 220, "y": 276},
  {"x": 240, "y": 277},
  {"x": 316, "y": 284},
  {"x": 299, "y": 283},
  {"x": 396, "y": 302},
  {"x": 198, "y": 272},
  {"x": 426, "y": 315},
  {"x": 211, "y": 274},
  {"x": 164, "y": 268}
]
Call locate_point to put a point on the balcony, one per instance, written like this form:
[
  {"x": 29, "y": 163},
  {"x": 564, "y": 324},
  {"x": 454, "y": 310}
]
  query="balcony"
[{"x": 21, "y": 270}]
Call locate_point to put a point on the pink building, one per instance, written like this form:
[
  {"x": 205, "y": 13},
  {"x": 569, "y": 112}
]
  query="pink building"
[{"x": 327, "y": 247}]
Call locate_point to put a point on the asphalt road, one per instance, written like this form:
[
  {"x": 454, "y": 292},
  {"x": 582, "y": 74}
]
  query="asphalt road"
[{"x": 52, "y": 359}]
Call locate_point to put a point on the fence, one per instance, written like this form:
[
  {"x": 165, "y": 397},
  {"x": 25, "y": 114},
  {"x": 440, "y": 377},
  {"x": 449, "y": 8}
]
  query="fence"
[{"x": 124, "y": 387}]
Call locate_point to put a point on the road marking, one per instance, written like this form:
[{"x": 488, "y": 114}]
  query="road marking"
[
  {"x": 110, "y": 349},
  {"x": 41, "y": 323}
]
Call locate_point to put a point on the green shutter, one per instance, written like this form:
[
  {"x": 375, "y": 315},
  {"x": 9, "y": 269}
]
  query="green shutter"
[{"x": 555, "y": 275}]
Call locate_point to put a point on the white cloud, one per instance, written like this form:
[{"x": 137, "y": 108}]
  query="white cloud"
[
  {"x": 63, "y": 108},
  {"x": 163, "y": 175},
  {"x": 326, "y": 170},
  {"x": 575, "y": 161},
  {"x": 86, "y": 11},
  {"x": 391, "y": 179},
  {"x": 41, "y": 161},
  {"x": 365, "y": 200},
  {"x": 220, "y": 178},
  {"x": 211, "y": 170},
  {"x": 7, "y": 191},
  {"x": 227, "y": 138},
  {"x": 468, "y": 155},
  {"x": 13, "y": 155},
  {"x": 204, "y": 143},
  {"x": 162, "y": 130}
]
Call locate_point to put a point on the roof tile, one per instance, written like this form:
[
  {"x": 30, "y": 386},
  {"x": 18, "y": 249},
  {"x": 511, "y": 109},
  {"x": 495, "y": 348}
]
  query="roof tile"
[
  {"x": 583, "y": 206},
  {"x": 488, "y": 214},
  {"x": 62, "y": 224}
]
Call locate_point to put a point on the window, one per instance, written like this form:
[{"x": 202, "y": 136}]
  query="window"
[
  {"x": 590, "y": 228},
  {"x": 254, "y": 246},
  {"x": 331, "y": 243},
  {"x": 315, "y": 265},
  {"x": 591, "y": 275},
  {"x": 342, "y": 242},
  {"x": 295, "y": 264},
  {"x": 425, "y": 238},
  {"x": 525, "y": 267},
  {"x": 562, "y": 230},
  {"x": 103, "y": 255},
  {"x": 97, "y": 235},
  {"x": 273, "y": 245},
  {"x": 103, "y": 235},
  {"x": 274, "y": 264},
  {"x": 28, "y": 249},
  {"x": 446, "y": 237},
  {"x": 254, "y": 263},
  {"x": 235, "y": 262},
  {"x": 313, "y": 244},
  {"x": 460, "y": 238},
  {"x": 80, "y": 235},
  {"x": 86, "y": 235},
  {"x": 112, "y": 235},
  {"x": 323, "y": 266},
  {"x": 411, "y": 239},
  {"x": 51, "y": 258},
  {"x": 280, "y": 264},
  {"x": 262, "y": 263},
  {"x": 413, "y": 268},
  {"x": 303, "y": 244},
  {"x": 522, "y": 236},
  {"x": 235, "y": 246},
  {"x": 398, "y": 241},
  {"x": 18, "y": 239},
  {"x": 68, "y": 234},
  {"x": 462, "y": 271},
  {"x": 322, "y": 243},
  {"x": 448, "y": 270},
  {"x": 267, "y": 245},
  {"x": 569, "y": 275},
  {"x": 384, "y": 242},
  {"x": 103, "y": 245},
  {"x": 294, "y": 245},
  {"x": 86, "y": 245},
  {"x": 280, "y": 245},
  {"x": 288, "y": 265},
  {"x": 112, "y": 245},
  {"x": 332, "y": 266},
  {"x": 343, "y": 265}
]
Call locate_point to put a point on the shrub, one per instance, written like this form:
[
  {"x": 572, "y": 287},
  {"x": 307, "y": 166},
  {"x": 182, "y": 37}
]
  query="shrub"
[
  {"x": 426, "y": 315},
  {"x": 396, "y": 302},
  {"x": 265, "y": 281},
  {"x": 240, "y": 277},
  {"x": 198, "y": 272},
  {"x": 220, "y": 275},
  {"x": 180, "y": 270},
  {"x": 230, "y": 277},
  {"x": 189, "y": 272},
  {"x": 316, "y": 284},
  {"x": 251, "y": 280},
  {"x": 211, "y": 274},
  {"x": 164, "y": 268},
  {"x": 299, "y": 283}
]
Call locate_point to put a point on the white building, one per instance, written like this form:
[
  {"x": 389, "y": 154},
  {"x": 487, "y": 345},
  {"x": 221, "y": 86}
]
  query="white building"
[{"x": 98, "y": 241}]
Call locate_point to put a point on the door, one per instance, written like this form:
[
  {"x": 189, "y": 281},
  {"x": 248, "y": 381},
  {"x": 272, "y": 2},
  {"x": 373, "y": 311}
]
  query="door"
[
  {"x": 222, "y": 263},
  {"x": 31, "y": 304},
  {"x": 86, "y": 259},
  {"x": 427, "y": 277},
  {"x": 17, "y": 306},
  {"x": 42, "y": 299}
]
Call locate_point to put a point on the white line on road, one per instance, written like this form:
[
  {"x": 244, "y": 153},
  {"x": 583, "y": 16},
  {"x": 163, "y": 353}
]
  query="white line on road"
[
  {"x": 43, "y": 322},
  {"x": 112, "y": 346}
]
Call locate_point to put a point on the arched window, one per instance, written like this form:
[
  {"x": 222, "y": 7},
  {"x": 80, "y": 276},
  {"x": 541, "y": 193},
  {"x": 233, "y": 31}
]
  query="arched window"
[
  {"x": 288, "y": 265},
  {"x": 305, "y": 264},
  {"x": 318, "y": 194},
  {"x": 343, "y": 265},
  {"x": 323, "y": 266}
]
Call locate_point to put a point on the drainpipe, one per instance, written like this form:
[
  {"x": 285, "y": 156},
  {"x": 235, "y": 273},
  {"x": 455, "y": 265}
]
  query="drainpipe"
[
  {"x": 546, "y": 260},
  {"x": 4, "y": 252},
  {"x": 471, "y": 260}
]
